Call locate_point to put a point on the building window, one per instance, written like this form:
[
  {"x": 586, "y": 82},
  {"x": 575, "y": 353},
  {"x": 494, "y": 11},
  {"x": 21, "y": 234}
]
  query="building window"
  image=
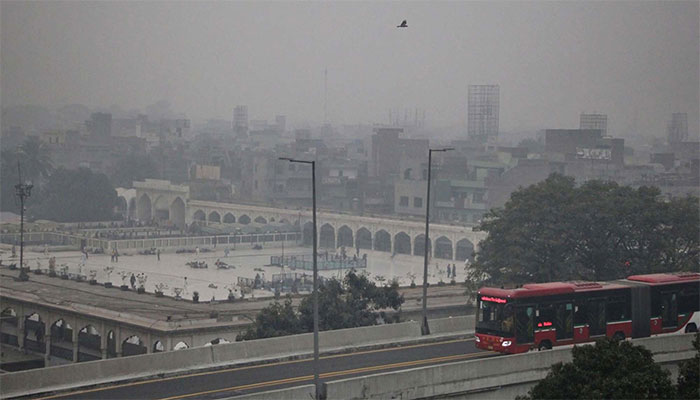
[
  {"x": 417, "y": 202},
  {"x": 479, "y": 197},
  {"x": 403, "y": 202}
]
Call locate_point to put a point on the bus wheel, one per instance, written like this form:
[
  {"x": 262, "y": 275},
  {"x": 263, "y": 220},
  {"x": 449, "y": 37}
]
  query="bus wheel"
[
  {"x": 691, "y": 327},
  {"x": 619, "y": 336},
  {"x": 544, "y": 345}
]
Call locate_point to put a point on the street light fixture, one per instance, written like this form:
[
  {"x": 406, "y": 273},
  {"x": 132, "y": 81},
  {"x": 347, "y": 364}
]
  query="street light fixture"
[
  {"x": 22, "y": 191},
  {"x": 317, "y": 383},
  {"x": 425, "y": 329}
]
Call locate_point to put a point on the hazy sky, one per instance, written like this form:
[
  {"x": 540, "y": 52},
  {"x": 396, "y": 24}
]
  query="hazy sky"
[{"x": 636, "y": 61}]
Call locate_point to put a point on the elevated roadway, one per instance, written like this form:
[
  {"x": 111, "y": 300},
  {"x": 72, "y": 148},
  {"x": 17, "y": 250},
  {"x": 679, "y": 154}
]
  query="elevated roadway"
[{"x": 224, "y": 383}]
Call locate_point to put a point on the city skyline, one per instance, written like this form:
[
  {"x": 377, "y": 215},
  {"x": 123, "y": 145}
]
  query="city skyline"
[{"x": 635, "y": 62}]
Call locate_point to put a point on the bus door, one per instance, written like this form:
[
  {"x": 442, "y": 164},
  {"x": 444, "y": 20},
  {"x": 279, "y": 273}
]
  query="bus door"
[
  {"x": 596, "y": 317},
  {"x": 669, "y": 310},
  {"x": 525, "y": 324},
  {"x": 564, "y": 321}
]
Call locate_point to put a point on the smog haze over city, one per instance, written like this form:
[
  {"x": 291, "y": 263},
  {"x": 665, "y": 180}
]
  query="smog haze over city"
[
  {"x": 349, "y": 199},
  {"x": 636, "y": 61}
]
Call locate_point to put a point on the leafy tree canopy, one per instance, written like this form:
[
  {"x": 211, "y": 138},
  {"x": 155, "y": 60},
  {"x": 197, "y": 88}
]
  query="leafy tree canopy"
[
  {"x": 609, "y": 370},
  {"x": 554, "y": 230},
  {"x": 354, "y": 302},
  {"x": 74, "y": 196},
  {"x": 35, "y": 161},
  {"x": 689, "y": 374}
]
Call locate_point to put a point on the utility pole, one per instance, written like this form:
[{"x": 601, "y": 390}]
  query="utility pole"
[
  {"x": 22, "y": 191},
  {"x": 317, "y": 382},
  {"x": 425, "y": 329}
]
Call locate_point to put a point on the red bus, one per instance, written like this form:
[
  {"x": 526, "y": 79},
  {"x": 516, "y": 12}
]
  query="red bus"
[{"x": 542, "y": 315}]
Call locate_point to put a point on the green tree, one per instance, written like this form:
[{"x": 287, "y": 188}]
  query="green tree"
[
  {"x": 528, "y": 239},
  {"x": 688, "y": 374},
  {"x": 277, "y": 319},
  {"x": 8, "y": 180},
  {"x": 133, "y": 167},
  {"x": 35, "y": 161},
  {"x": 354, "y": 302},
  {"x": 75, "y": 196},
  {"x": 35, "y": 158},
  {"x": 609, "y": 370},
  {"x": 554, "y": 230}
]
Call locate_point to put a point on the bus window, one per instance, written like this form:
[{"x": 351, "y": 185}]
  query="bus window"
[
  {"x": 689, "y": 300},
  {"x": 564, "y": 322},
  {"x": 669, "y": 310},
  {"x": 525, "y": 323},
  {"x": 596, "y": 317},
  {"x": 545, "y": 316},
  {"x": 495, "y": 318},
  {"x": 617, "y": 309},
  {"x": 581, "y": 314}
]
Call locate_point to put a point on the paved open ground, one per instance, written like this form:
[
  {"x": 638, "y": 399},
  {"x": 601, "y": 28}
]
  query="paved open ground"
[{"x": 212, "y": 282}]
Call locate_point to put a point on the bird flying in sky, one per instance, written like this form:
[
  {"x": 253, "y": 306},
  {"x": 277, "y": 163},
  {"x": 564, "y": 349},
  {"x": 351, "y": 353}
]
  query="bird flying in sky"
[{"x": 404, "y": 24}]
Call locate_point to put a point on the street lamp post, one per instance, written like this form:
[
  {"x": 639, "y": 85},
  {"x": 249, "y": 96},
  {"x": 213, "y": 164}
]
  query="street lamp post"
[
  {"x": 22, "y": 191},
  {"x": 317, "y": 383},
  {"x": 425, "y": 329}
]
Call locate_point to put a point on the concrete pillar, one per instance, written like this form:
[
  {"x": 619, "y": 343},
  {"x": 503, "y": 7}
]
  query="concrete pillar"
[
  {"x": 149, "y": 345},
  {"x": 118, "y": 341},
  {"x": 47, "y": 353},
  {"x": 20, "y": 331},
  {"x": 75, "y": 342},
  {"x": 103, "y": 340}
]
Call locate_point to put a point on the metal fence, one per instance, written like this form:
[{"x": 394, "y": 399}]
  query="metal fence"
[{"x": 324, "y": 264}]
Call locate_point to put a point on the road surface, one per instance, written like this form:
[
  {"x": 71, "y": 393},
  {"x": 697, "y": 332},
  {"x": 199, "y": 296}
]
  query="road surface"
[{"x": 228, "y": 382}]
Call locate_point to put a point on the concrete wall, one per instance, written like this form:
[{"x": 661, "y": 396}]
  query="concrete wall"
[
  {"x": 452, "y": 325},
  {"x": 497, "y": 377},
  {"x": 124, "y": 368},
  {"x": 295, "y": 393}
]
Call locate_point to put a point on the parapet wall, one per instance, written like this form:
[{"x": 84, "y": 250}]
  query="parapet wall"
[
  {"x": 120, "y": 369},
  {"x": 496, "y": 377}
]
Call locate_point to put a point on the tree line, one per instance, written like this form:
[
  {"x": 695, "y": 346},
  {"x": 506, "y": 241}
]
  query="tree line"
[
  {"x": 59, "y": 195},
  {"x": 613, "y": 369},
  {"x": 555, "y": 230}
]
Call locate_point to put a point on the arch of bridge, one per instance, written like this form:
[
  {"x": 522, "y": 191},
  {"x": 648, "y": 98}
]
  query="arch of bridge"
[
  {"x": 411, "y": 228},
  {"x": 163, "y": 196},
  {"x": 129, "y": 196}
]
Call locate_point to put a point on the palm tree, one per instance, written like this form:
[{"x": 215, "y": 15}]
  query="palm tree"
[{"x": 35, "y": 159}]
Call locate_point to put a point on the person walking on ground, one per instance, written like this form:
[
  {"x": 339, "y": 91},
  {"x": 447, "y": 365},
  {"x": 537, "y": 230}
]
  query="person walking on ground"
[
  {"x": 158, "y": 254},
  {"x": 133, "y": 281}
]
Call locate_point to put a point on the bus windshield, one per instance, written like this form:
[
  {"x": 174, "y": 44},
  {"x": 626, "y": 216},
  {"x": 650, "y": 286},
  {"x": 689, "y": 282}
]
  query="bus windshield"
[{"x": 495, "y": 317}]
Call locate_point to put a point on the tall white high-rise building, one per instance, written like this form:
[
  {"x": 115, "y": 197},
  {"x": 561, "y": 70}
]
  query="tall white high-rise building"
[
  {"x": 678, "y": 128},
  {"x": 483, "y": 112},
  {"x": 240, "y": 120},
  {"x": 594, "y": 121}
]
